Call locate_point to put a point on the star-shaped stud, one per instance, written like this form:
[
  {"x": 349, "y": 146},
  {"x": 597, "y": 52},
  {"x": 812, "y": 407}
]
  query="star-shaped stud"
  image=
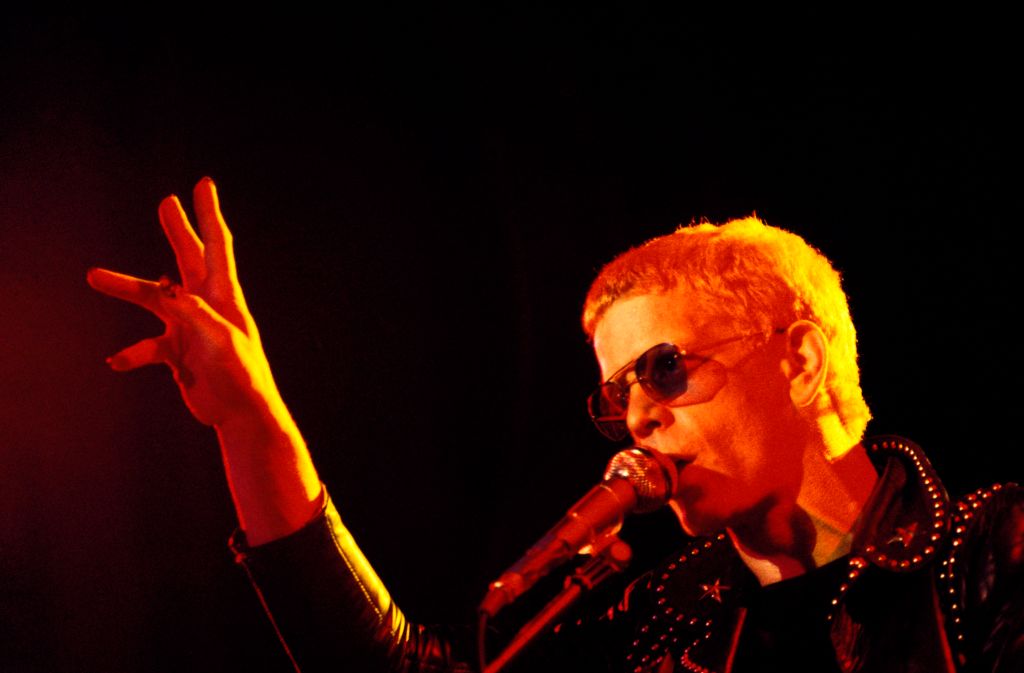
[
  {"x": 904, "y": 534},
  {"x": 714, "y": 590}
]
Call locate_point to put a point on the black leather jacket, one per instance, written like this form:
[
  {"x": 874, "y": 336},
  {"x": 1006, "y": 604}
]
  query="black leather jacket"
[{"x": 929, "y": 586}]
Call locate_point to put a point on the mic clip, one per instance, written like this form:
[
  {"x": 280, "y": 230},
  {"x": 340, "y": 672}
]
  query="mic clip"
[{"x": 609, "y": 556}]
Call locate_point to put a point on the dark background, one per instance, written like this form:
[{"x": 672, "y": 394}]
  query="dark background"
[{"x": 420, "y": 199}]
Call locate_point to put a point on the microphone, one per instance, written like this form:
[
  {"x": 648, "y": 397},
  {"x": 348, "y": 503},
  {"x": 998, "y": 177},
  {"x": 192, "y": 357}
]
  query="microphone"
[{"x": 636, "y": 480}]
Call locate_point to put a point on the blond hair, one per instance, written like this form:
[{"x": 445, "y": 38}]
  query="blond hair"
[{"x": 756, "y": 276}]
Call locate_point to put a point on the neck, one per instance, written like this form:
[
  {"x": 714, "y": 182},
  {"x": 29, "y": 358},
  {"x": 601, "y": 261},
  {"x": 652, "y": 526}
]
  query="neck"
[{"x": 786, "y": 538}]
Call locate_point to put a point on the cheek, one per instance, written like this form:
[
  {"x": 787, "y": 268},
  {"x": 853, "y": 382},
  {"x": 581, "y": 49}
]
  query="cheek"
[
  {"x": 766, "y": 393},
  {"x": 732, "y": 456},
  {"x": 726, "y": 430}
]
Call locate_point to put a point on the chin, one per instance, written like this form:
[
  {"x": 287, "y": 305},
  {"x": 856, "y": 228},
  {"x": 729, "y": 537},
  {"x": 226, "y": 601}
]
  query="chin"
[{"x": 694, "y": 522}]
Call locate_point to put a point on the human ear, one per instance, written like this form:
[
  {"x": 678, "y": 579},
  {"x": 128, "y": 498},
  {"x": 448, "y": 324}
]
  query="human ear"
[{"x": 806, "y": 362}]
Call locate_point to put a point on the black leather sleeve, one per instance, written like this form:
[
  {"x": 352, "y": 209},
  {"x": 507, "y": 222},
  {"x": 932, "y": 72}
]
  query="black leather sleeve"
[
  {"x": 333, "y": 613},
  {"x": 988, "y": 578}
]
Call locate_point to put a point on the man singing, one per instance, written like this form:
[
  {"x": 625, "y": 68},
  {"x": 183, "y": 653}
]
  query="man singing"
[{"x": 728, "y": 351}]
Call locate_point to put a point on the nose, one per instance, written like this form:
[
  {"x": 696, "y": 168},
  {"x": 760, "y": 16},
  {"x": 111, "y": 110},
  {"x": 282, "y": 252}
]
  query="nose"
[{"x": 644, "y": 415}]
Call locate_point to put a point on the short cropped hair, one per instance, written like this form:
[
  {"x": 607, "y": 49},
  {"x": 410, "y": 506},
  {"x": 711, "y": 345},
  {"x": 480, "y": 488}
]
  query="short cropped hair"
[{"x": 758, "y": 277}]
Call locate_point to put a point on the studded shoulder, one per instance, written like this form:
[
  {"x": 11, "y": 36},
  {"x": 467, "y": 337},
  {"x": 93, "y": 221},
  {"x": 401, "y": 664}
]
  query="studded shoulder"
[{"x": 982, "y": 576}]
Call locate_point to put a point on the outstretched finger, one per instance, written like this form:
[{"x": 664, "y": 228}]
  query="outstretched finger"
[
  {"x": 146, "y": 352},
  {"x": 188, "y": 249},
  {"x": 220, "y": 256},
  {"x": 144, "y": 293}
]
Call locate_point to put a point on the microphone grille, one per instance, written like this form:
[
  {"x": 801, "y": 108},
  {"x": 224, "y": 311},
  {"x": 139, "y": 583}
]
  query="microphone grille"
[{"x": 651, "y": 475}]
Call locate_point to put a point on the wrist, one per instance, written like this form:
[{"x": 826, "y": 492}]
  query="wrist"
[
  {"x": 273, "y": 482},
  {"x": 261, "y": 416}
]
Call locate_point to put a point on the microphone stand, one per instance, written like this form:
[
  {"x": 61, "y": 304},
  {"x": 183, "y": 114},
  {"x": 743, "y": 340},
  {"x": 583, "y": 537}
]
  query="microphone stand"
[{"x": 608, "y": 557}]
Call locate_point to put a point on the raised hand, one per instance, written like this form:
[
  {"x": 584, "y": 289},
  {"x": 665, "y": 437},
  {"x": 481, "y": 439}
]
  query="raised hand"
[
  {"x": 213, "y": 348},
  {"x": 211, "y": 342}
]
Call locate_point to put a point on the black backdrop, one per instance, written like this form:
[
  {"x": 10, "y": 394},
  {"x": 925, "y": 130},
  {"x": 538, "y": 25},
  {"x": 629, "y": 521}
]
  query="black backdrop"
[{"x": 420, "y": 199}]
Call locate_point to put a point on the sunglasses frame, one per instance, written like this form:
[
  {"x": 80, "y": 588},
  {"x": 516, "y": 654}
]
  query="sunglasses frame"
[{"x": 614, "y": 426}]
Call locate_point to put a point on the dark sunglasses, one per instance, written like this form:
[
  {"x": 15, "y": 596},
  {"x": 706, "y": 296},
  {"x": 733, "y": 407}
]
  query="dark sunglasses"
[{"x": 668, "y": 375}]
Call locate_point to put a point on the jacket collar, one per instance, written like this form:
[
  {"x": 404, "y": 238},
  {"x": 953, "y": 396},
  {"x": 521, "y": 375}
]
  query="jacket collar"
[
  {"x": 697, "y": 596},
  {"x": 907, "y": 515}
]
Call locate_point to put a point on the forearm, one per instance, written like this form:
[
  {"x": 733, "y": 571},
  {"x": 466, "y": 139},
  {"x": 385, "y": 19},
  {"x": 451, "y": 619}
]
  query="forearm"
[
  {"x": 333, "y": 613},
  {"x": 273, "y": 483}
]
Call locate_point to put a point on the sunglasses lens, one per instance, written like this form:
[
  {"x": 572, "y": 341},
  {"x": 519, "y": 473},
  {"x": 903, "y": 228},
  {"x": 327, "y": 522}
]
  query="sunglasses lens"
[
  {"x": 662, "y": 373},
  {"x": 607, "y": 406},
  {"x": 613, "y": 430},
  {"x": 668, "y": 377}
]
